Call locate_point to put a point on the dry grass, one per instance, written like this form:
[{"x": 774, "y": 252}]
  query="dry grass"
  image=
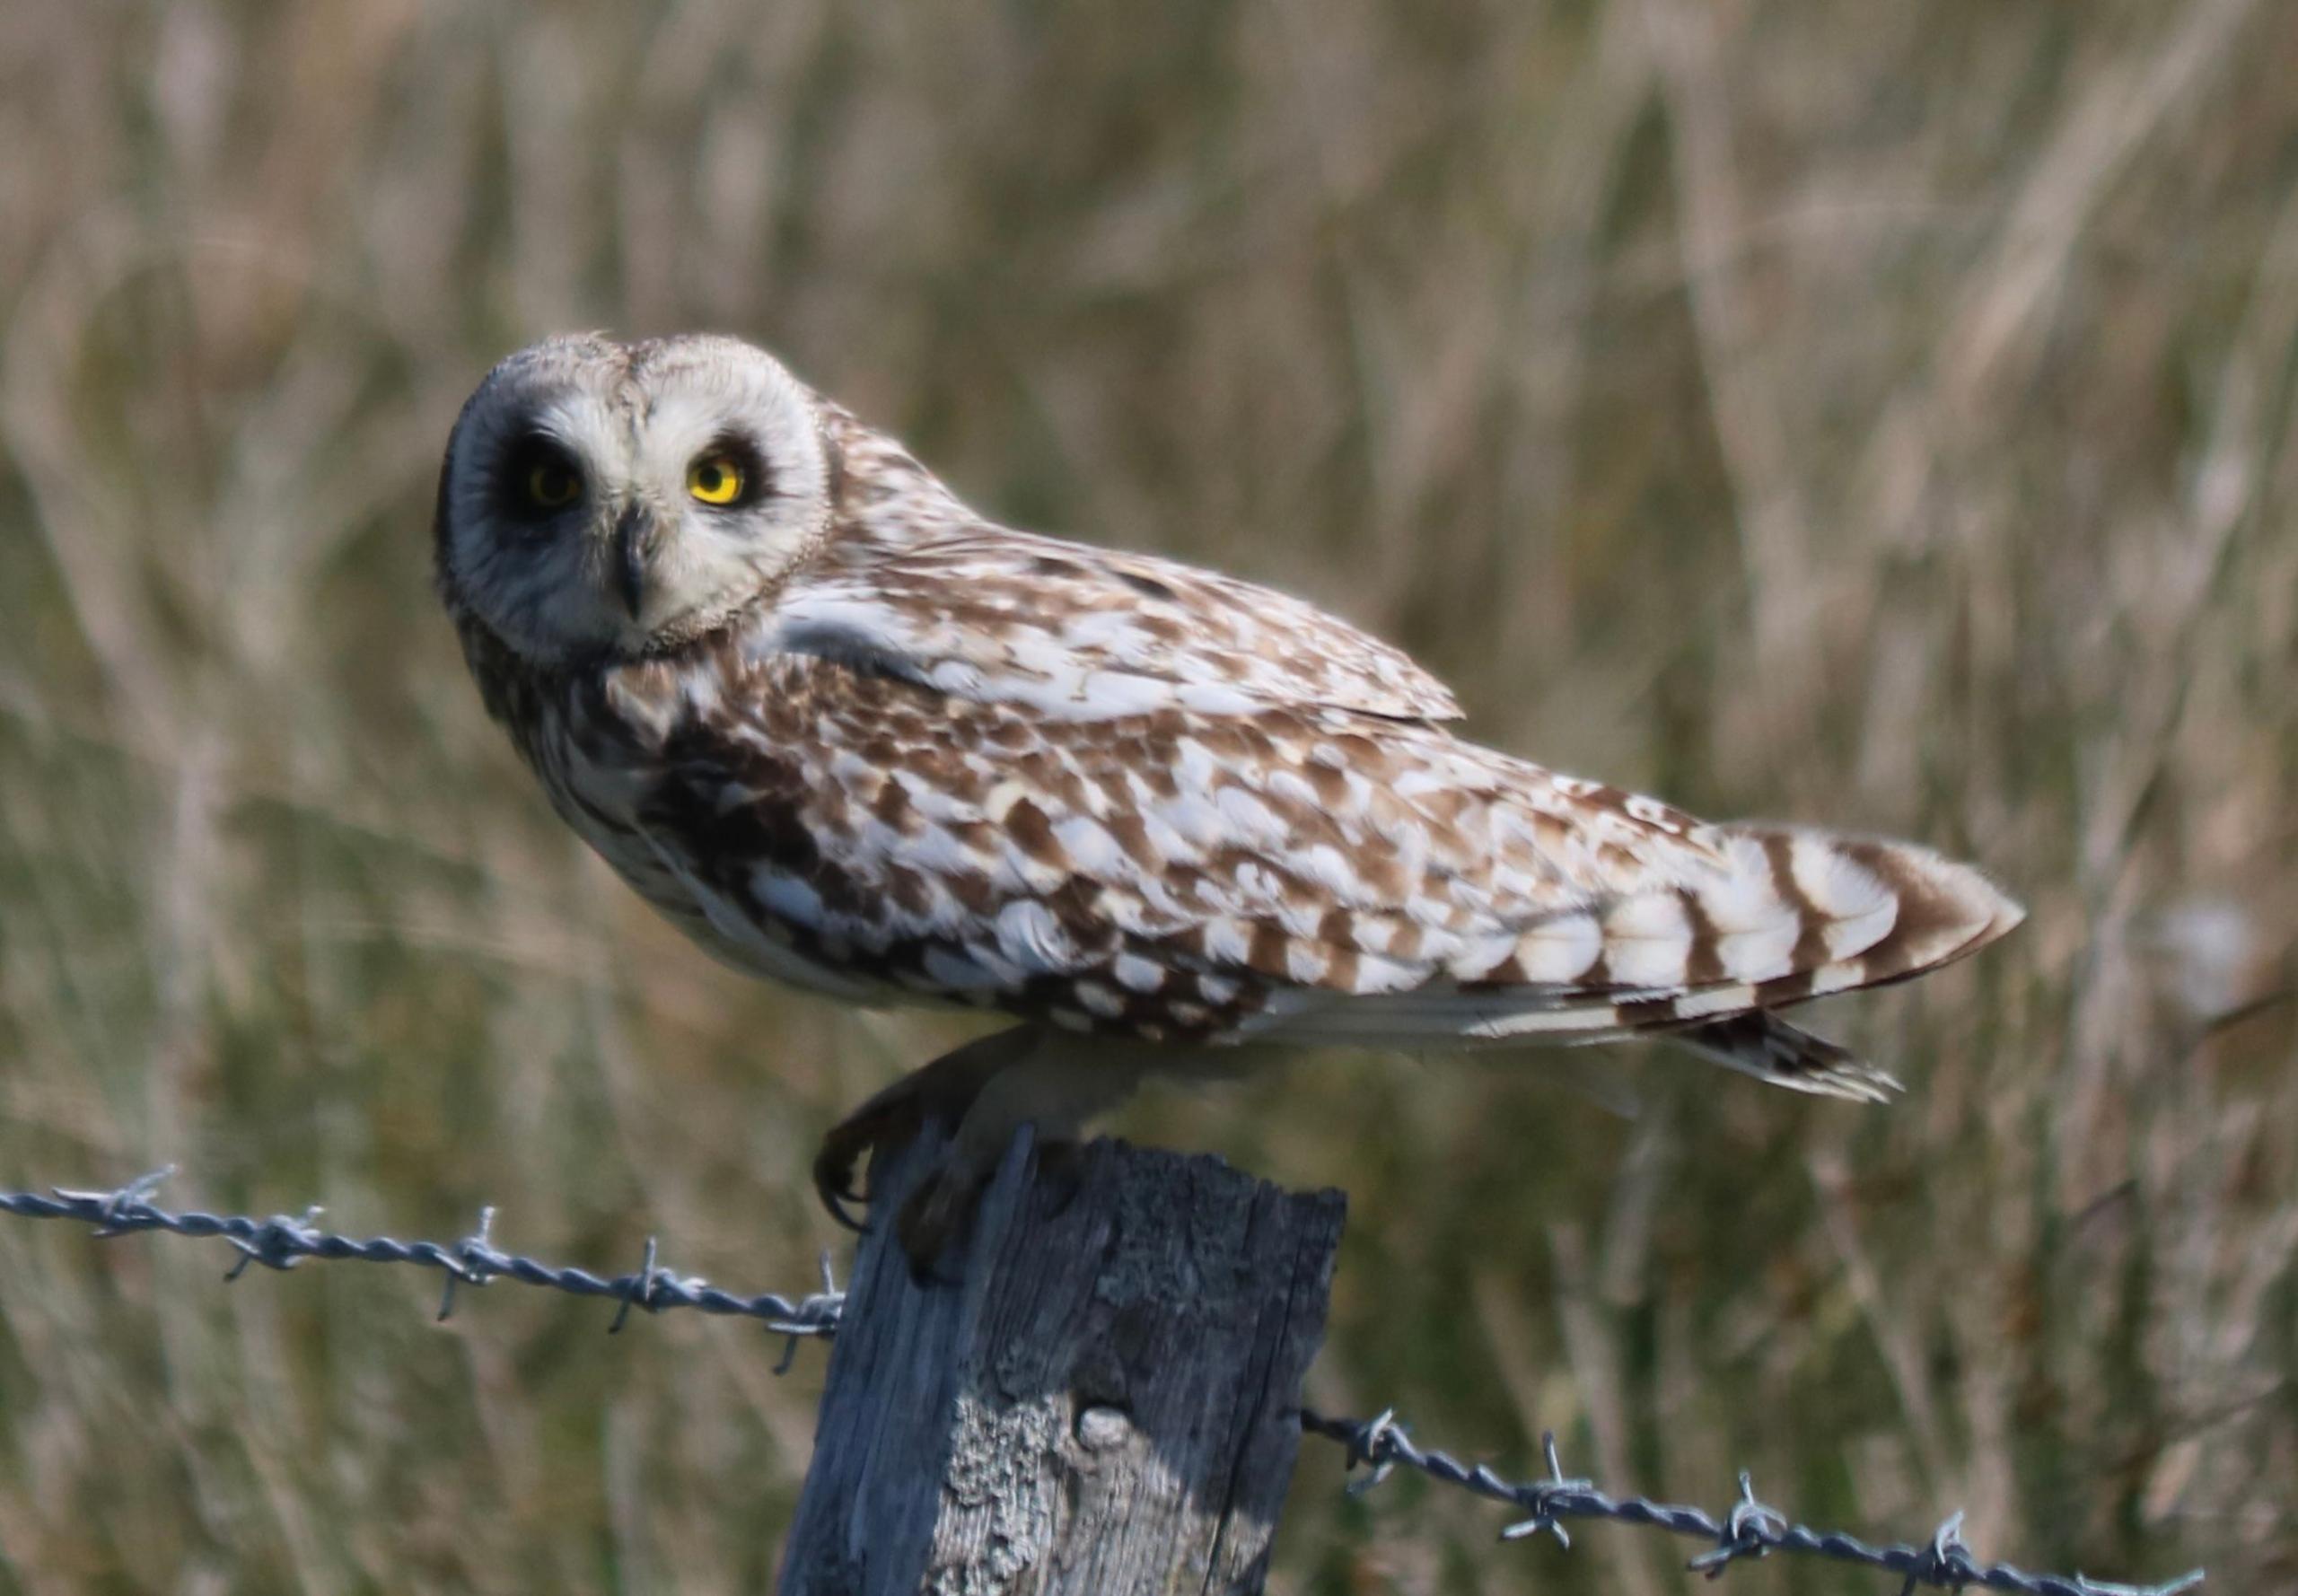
[{"x": 1877, "y": 414}]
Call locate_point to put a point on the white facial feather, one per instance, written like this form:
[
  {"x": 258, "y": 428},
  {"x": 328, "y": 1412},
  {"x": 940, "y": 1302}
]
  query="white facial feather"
[{"x": 631, "y": 419}]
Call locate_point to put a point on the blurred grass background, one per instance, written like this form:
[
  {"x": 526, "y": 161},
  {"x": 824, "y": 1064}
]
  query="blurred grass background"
[{"x": 1871, "y": 414}]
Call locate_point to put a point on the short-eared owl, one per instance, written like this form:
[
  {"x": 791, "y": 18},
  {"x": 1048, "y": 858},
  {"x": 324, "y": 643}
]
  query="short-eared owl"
[{"x": 846, "y": 733}]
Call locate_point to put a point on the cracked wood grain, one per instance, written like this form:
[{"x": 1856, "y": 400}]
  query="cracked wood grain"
[{"x": 1100, "y": 1396}]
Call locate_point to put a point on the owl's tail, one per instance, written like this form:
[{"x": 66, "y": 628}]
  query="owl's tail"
[
  {"x": 1773, "y": 917},
  {"x": 1861, "y": 913},
  {"x": 1865, "y": 914}
]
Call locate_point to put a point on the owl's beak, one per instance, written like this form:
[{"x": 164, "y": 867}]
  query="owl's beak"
[{"x": 633, "y": 542}]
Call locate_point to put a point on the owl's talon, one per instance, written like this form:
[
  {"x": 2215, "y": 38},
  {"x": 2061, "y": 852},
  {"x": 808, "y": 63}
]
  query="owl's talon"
[
  {"x": 888, "y": 1120},
  {"x": 833, "y": 1184},
  {"x": 834, "y": 1203},
  {"x": 943, "y": 1091}
]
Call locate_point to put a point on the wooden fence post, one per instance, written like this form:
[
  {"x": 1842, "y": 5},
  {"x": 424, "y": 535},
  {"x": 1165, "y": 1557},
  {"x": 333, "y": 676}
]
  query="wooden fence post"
[{"x": 1102, "y": 1400}]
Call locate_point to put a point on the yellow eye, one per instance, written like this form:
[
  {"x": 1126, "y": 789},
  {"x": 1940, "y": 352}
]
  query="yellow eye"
[
  {"x": 715, "y": 480},
  {"x": 552, "y": 485}
]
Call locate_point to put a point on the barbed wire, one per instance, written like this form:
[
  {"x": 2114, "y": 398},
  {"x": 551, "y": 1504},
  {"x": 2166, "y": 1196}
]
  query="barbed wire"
[
  {"x": 281, "y": 1243},
  {"x": 1749, "y": 1529}
]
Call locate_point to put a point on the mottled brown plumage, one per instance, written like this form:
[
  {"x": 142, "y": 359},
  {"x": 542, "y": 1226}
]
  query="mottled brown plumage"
[{"x": 848, "y": 735}]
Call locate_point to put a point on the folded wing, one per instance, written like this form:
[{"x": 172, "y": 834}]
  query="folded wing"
[
  {"x": 995, "y": 616},
  {"x": 1298, "y": 874}
]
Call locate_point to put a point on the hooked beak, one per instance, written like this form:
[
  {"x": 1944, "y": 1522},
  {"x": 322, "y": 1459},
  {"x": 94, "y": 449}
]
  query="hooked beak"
[{"x": 634, "y": 543}]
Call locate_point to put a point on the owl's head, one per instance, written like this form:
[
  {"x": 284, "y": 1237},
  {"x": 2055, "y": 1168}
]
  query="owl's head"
[{"x": 608, "y": 499}]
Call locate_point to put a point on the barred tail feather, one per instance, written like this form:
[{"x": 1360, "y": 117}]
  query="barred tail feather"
[
  {"x": 1772, "y": 916},
  {"x": 1867, "y": 913}
]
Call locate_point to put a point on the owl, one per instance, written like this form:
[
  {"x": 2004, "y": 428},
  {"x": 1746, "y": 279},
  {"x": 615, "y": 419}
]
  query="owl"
[{"x": 848, "y": 733}]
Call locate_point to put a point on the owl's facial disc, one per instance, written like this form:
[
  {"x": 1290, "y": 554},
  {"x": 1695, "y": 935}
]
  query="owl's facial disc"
[{"x": 620, "y": 500}]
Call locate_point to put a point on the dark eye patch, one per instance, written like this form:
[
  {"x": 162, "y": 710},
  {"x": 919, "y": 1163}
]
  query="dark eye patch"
[{"x": 536, "y": 477}]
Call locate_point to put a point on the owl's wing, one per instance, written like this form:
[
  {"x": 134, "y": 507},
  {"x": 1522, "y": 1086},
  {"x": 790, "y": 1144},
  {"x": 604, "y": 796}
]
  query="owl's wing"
[
  {"x": 1287, "y": 875},
  {"x": 1077, "y": 632},
  {"x": 1365, "y": 883}
]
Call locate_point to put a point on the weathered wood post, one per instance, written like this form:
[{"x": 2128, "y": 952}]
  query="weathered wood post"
[{"x": 1102, "y": 1402}]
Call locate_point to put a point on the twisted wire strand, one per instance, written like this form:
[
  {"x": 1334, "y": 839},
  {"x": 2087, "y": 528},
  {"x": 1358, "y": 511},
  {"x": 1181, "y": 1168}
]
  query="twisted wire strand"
[
  {"x": 1749, "y": 1529},
  {"x": 281, "y": 1243}
]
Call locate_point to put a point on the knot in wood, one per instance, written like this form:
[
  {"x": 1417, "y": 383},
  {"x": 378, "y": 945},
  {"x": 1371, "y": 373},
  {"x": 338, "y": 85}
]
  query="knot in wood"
[{"x": 1103, "y": 1428}]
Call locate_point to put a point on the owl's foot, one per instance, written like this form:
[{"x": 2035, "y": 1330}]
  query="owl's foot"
[
  {"x": 886, "y": 1120},
  {"x": 987, "y": 1090},
  {"x": 943, "y": 1091},
  {"x": 1055, "y": 1088}
]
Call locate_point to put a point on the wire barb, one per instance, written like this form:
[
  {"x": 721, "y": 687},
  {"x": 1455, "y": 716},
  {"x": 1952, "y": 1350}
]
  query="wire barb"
[
  {"x": 1366, "y": 1448},
  {"x": 278, "y": 1243},
  {"x": 1751, "y": 1531},
  {"x": 470, "y": 1263},
  {"x": 640, "y": 1290},
  {"x": 1945, "y": 1558},
  {"x": 1750, "y": 1528},
  {"x": 829, "y": 1301},
  {"x": 1543, "y": 1522},
  {"x": 112, "y": 1206}
]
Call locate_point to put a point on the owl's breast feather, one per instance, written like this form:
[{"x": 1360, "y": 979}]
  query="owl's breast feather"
[{"x": 632, "y": 759}]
